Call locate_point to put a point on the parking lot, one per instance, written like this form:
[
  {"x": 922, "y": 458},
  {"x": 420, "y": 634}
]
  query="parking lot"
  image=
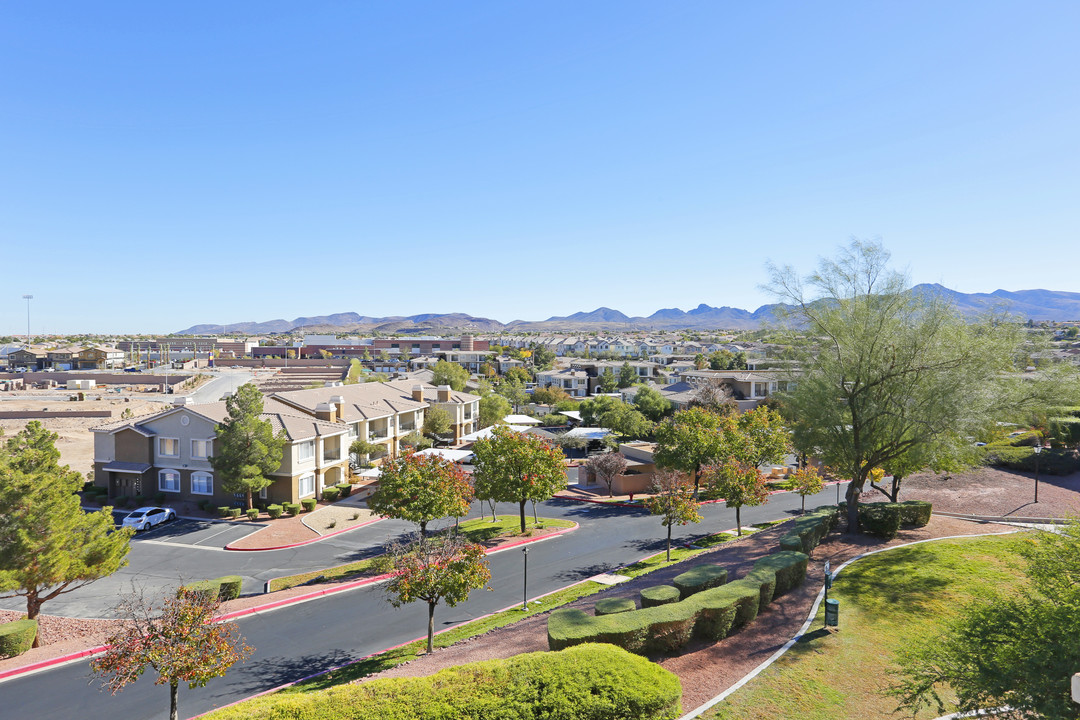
[{"x": 193, "y": 533}]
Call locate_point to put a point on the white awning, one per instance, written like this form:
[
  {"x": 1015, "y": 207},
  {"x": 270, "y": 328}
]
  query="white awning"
[
  {"x": 520, "y": 420},
  {"x": 457, "y": 456}
]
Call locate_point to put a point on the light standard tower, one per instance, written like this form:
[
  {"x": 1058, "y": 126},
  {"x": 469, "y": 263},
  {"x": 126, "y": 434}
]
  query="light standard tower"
[
  {"x": 28, "y": 298},
  {"x": 1038, "y": 449}
]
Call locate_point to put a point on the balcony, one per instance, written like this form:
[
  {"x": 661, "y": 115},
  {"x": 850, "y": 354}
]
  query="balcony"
[
  {"x": 332, "y": 456},
  {"x": 408, "y": 427}
]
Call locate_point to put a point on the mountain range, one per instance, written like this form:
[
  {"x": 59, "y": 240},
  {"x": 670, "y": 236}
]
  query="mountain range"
[{"x": 1030, "y": 304}]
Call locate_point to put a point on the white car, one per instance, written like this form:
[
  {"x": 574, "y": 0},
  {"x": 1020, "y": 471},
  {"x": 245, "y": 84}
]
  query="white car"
[{"x": 147, "y": 517}]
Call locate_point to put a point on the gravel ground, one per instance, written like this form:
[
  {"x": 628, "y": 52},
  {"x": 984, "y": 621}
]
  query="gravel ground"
[{"x": 994, "y": 492}]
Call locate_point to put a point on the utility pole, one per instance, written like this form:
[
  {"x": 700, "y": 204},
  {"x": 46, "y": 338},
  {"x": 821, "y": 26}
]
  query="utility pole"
[{"x": 28, "y": 298}]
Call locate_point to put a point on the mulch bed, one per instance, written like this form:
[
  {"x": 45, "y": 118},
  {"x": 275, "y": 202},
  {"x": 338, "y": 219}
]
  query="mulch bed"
[{"x": 994, "y": 492}]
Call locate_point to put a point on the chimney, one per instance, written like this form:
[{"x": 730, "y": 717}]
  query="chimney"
[
  {"x": 339, "y": 406},
  {"x": 326, "y": 411},
  {"x": 444, "y": 393},
  {"x": 418, "y": 393}
]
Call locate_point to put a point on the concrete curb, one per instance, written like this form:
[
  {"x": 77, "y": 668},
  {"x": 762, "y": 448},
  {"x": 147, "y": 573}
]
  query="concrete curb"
[
  {"x": 810, "y": 619},
  {"x": 639, "y": 507},
  {"x": 51, "y": 663},
  {"x": 1003, "y": 520}
]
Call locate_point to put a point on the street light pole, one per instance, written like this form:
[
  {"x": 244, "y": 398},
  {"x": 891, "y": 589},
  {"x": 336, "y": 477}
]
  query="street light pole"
[
  {"x": 1038, "y": 449},
  {"x": 525, "y": 581},
  {"x": 28, "y": 298}
]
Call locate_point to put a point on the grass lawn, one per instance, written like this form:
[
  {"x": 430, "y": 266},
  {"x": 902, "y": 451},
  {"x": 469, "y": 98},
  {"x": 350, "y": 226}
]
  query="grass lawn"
[
  {"x": 349, "y": 571},
  {"x": 888, "y": 602}
]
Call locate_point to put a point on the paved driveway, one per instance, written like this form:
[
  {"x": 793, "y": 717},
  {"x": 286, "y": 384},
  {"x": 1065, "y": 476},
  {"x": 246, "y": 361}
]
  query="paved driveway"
[{"x": 195, "y": 533}]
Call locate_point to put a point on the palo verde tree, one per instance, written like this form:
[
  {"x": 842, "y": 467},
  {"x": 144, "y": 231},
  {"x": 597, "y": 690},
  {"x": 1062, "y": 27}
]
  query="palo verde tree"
[
  {"x": 739, "y": 484},
  {"x": 443, "y": 569},
  {"x": 178, "y": 640},
  {"x": 673, "y": 500},
  {"x": 49, "y": 545},
  {"x": 688, "y": 441},
  {"x": 517, "y": 467},
  {"x": 607, "y": 467},
  {"x": 892, "y": 369},
  {"x": 420, "y": 489},
  {"x": 246, "y": 449}
]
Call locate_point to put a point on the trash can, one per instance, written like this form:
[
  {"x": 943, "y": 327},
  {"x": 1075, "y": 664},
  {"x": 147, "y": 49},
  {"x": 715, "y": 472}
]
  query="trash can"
[{"x": 832, "y": 613}]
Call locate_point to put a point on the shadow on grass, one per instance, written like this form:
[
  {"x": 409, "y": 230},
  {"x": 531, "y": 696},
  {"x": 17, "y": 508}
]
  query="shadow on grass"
[{"x": 907, "y": 582}]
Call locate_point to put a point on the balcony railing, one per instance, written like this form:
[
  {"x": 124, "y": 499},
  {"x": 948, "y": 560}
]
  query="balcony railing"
[
  {"x": 331, "y": 455},
  {"x": 408, "y": 427}
]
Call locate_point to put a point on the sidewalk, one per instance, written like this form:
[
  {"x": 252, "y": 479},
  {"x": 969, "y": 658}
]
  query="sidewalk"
[{"x": 326, "y": 520}]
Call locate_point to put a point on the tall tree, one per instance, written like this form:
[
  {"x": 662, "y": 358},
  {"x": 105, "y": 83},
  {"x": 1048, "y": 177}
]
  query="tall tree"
[
  {"x": 688, "y": 441},
  {"x": 420, "y": 489},
  {"x": 517, "y": 467},
  {"x": 493, "y": 408},
  {"x": 651, "y": 403},
  {"x": 607, "y": 467},
  {"x": 757, "y": 437},
  {"x": 739, "y": 484},
  {"x": 448, "y": 373},
  {"x": 542, "y": 357},
  {"x": 673, "y": 500},
  {"x": 433, "y": 571},
  {"x": 892, "y": 370},
  {"x": 49, "y": 545},
  {"x": 436, "y": 421},
  {"x": 550, "y": 395},
  {"x": 362, "y": 448},
  {"x": 1016, "y": 650},
  {"x": 608, "y": 382},
  {"x": 178, "y": 640},
  {"x": 518, "y": 375},
  {"x": 246, "y": 449},
  {"x": 627, "y": 376},
  {"x": 807, "y": 481},
  {"x": 514, "y": 391}
]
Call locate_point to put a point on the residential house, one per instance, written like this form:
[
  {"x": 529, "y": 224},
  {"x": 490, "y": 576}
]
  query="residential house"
[
  {"x": 31, "y": 358},
  {"x": 574, "y": 382},
  {"x": 100, "y": 358}
]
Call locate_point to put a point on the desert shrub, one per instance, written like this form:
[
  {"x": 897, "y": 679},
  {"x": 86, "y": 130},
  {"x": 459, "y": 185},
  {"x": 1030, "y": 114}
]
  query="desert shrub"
[
  {"x": 590, "y": 682},
  {"x": 121, "y": 501},
  {"x": 699, "y": 578},
  {"x": 330, "y": 494},
  {"x": 252, "y": 514},
  {"x": 223, "y": 511},
  {"x": 611, "y": 606},
  {"x": 234, "y": 513},
  {"x": 808, "y": 530},
  {"x": 345, "y": 489},
  {"x": 229, "y": 587},
  {"x": 659, "y": 595},
  {"x": 17, "y": 637},
  {"x": 915, "y": 512},
  {"x": 207, "y": 587},
  {"x": 274, "y": 511},
  {"x": 308, "y": 504},
  {"x": 880, "y": 519}
]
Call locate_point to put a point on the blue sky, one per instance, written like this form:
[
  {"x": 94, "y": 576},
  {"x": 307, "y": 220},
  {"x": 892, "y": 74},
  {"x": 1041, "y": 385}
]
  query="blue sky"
[{"x": 166, "y": 164}]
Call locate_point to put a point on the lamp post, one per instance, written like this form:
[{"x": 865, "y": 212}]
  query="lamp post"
[
  {"x": 1038, "y": 449},
  {"x": 525, "y": 581},
  {"x": 28, "y": 298}
]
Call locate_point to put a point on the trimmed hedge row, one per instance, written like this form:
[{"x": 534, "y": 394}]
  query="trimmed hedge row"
[
  {"x": 710, "y": 614},
  {"x": 611, "y": 606},
  {"x": 659, "y": 595},
  {"x": 590, "y": 682},
  {"x": 808, "y": 530},
  {"x": 884, "y": 519},
  {"x": 17, "y": 637},
  {"x": 699, "y": 578},
  {"x": 226, "y": 587}
]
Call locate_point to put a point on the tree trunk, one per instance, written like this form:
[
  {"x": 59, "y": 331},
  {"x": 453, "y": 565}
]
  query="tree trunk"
[
  {"x": 423, "y": 528},
  {"x": 896, "y": 480},
  {"x": 852, "y": 497},
  {"x": 669, "y": 542},
  {"x": 738, "y": 520},
  {"x": 249, "y": 505},
  {"x": 174, "y": 713},
  {"x": 33, "y": 608},
  {"x": 430, "y": 627},
  {"x": 536, "y": 520},
  {"x": 521, "y": 508},
  {"x": 803, "y": 504}
]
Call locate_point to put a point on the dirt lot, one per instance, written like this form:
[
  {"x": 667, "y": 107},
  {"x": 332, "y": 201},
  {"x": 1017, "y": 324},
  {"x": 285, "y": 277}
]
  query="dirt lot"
[
  {"x": 76, "y": 442},
  {"x": 993, "y": 492}
]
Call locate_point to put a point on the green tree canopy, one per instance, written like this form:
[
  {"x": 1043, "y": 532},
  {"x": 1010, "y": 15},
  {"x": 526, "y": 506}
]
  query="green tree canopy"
[
  {"x": 493, "y": 408},
  {"x": 517, "y": 375},
  {"x": 651, "y": 403},
  {"x": 49, "y": 545},
  {"x": 739, "y": 484},
  {"x": 542, "y": 357},
  {"x": 615, "y": 415},
  {"x": 608, "y": 382},
  {"x": 627, "y": 376},
  {"x": 448, "y": 373},
  {"x": 673, "y": 500},
  {"x": 517, "y": 467},
  {"x": 514, "y": 391},
  {"x": 420, "y": 489},
  {"x": 436, "y": 421},
  {"x": 688, "y": 441},
  {"x": 246, "y": 449}
]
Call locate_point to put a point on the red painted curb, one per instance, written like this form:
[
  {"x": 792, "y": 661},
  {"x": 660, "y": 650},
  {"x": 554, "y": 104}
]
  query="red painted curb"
[
  {"x": 302, "y": 542},
  {"x": 42, "y": 664},
  {"x": 701, "y": 502}
]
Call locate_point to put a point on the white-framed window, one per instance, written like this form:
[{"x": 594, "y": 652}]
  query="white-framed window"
[
  {"x": 168, "y": 481},
  {"x": 307, "y": 485},
  {"x": 263, "y": 493},
  {"x": 202, "y": 483},
  {"x": 201, "y": 449},
  {"x": 168, "y": 447},
  {"x": 305, "y": 451}
]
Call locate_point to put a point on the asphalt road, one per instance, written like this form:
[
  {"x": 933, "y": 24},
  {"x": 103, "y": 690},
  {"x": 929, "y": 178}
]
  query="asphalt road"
[{"x": 300, "y": 640}]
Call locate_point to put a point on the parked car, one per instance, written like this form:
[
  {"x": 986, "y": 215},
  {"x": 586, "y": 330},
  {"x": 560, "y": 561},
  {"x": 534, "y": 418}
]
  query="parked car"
[{"x": 147, "y": 517}]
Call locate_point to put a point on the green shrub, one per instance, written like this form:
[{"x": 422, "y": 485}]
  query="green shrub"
[
  {"x": 229, "y": 587},
  {"x": 291, "y": 508},
  {"x": 915, "y": 512},
  {"x": 308, "y": 504},
  {"x": 330, "y": 494},
  {"x": 659, "y": 595},
  {"x": 223, "y": 511},
  {"x": 234, "y": 512},
  {"x": 590, "y": 682},
  {"x": 345, "y": 489},
  {"x": 159, "y": 498},
  {"x": 700, "y": 578},
  {"x": 611, "y": 606},
  {"x": 17, "y": 637},
  {"x": 1055, "y": 461},
  {"x": 208, "y": 587},
  {"x": 274, "y": 511},
  {"x": 764, "y": 577},
  {"x": 89, "y": 486},
  {"x": 880, "y": 519},
  {"x": 121, "y": 501},
  {"x": 808, "y": 530},
  {"x": 788, "y": 566},
  {"x": 252, "y": 514},
  {"x": 140, "y": 500}
]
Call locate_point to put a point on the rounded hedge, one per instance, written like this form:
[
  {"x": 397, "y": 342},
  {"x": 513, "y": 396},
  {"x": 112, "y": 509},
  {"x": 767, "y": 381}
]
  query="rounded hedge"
[
  {"x": 223, "y": 511},
  {"x": 700, "y": 578},
  {"x": 659, "y": 595},
  {"x": 291, "y": 508},
  {"x": 17, "y": 637},
  {"x": 345, "y": 489},
  {"x": 253, "y": 514},
  {"x": 234, "y": 512},
  {"x": 229, "y": 587},
  {"x": 308, "y": 504},
  {"x": 587, "y": 682},
  {"x": 274, "y": 511},
  {"x": 610, "y": 606},
  {"x": 330, "y": 494}
]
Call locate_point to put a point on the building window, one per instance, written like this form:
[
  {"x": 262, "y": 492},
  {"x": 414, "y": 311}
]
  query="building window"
[
  {"x": 307, "y": 485},
  {"x": 263, "y": 493},
  {"x": 200, "y": 449},
  {"x": 169, "y": 481},
  {"x": 168, "y": 447},
  {"x": 202, "y": 483},
  {"x": 305, "y": 451}
]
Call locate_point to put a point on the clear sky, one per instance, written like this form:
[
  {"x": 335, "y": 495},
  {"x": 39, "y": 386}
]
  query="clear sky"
[{"x": 166, "y": 164}]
